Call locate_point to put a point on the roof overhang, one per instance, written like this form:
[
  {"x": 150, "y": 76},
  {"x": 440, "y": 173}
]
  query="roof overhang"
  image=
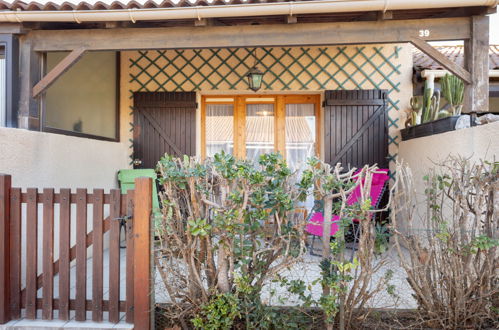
[{"x": 33, "y": 13}]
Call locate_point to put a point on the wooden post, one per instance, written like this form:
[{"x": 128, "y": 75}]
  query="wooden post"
[
  {"x": 29, "y": 74},
  {"x": 476, "y": 61},
  {"x": 142, "y": 252},
  {"x": 5, "y": 186}
]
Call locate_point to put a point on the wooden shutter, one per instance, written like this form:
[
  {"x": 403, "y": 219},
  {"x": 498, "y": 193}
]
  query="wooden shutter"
[
  {"x": 164, "y": 122},
  {"x": 355, "y": 128}
]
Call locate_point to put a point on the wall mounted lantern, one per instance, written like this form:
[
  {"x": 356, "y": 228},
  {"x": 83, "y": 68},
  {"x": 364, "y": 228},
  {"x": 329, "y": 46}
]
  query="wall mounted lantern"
[{"x": 255, "y": 76}]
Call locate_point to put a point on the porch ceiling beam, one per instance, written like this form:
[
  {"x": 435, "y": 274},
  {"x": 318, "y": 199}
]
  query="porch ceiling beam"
[
  {"x": 433, "y": 53},
  {"x": 58, "y": 70},
  {"x": 300, "y": 34}
]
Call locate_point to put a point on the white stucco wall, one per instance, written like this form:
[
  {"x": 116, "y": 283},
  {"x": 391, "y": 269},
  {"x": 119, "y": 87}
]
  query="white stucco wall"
[
  {"x": 45, "y": 160},
  {"x": 421, "y": 154},
  {"x": 479, "y": 142}
]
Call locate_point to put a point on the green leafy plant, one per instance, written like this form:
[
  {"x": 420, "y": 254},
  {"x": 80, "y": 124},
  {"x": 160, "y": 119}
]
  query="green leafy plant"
[
  {"x": 219, "y": 313},
  {"x": 227, "y": 225}
]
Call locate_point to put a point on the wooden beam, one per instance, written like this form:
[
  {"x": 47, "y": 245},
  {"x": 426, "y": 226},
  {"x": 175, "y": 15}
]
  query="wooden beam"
[
  {"x": 300, "y": 34},
  {"x": 29, "y": 73},
  {"x": 442, "y": 59},
  {"x": 290, "y": 19},
  {"x": 201, "y": 22},
  {"x": 14, "y": 28},
  {"x": 58, "y": 71},
  {"x": 476, "y": 60},
  {"x": 383, "y": 15}
]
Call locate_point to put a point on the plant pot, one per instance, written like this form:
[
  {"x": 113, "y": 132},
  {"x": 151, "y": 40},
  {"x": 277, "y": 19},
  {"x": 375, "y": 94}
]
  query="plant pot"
[
  {"x": 425, "y": 129},
  {"x": 444, "y": 124},
  {"x": 407, "y": 133}
]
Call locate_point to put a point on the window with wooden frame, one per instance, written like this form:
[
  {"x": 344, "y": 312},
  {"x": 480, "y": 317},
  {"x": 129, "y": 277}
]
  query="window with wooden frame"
[
  {"x": 84, "y": 101},
  {"x": 250, "y": 125}
]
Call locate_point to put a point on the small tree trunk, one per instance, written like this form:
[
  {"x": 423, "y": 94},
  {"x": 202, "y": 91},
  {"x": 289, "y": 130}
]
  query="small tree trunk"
[
  {"x": 326, "y": 231},
  {"x": 326, "y": 248},
  {"x": 223, "y": 270},
  {"x": 341, "y": 257}
]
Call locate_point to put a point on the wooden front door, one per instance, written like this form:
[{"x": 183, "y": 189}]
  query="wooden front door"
[
  {"x": 355, "y": 127},
  {"x": 164, "y": 123}
]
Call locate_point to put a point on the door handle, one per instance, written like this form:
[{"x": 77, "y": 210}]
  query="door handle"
[{"x": 137, "y": 162}]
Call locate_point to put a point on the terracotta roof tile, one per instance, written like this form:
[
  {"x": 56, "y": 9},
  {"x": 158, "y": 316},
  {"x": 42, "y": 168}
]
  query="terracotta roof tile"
[
  {"x": 82, "y": 5},
  {"x": 454, "y": 53}
]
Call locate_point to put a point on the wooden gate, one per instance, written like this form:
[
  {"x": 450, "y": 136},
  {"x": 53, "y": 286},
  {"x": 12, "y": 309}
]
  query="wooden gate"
[
  {"x": 27, "y": 216},
  {"x": 355, "y": 125},
  {"x": 164, "y": 122}
]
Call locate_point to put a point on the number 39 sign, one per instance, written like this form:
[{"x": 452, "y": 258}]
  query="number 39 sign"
[{"x": 424, "y": 33}]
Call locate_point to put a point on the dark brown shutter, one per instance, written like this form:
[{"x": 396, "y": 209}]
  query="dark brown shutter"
[
  {"x": 355, "y": 128},
  {"x": 164, "y": 122}
]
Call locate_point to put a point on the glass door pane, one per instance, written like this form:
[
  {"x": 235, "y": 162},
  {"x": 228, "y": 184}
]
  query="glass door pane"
[
  {"x": 259, "y": 130},
  {"x": 300, "y": 134},
  {"x": 219, "y": 129}
]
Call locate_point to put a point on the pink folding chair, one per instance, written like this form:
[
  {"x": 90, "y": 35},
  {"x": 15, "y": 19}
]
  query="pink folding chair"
[{"x": 378, "y": 184}]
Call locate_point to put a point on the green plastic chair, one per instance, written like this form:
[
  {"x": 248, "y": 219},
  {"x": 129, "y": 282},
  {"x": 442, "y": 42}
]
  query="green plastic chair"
[{"x": 127, "y": 178}]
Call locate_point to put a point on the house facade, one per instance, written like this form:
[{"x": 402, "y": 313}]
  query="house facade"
[
  {"x": 93, "y": 94},
  {"x": 92, "y": 89}
]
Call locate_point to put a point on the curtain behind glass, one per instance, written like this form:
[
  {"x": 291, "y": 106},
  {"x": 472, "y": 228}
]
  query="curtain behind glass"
[
  {"x": 259, "y": 130},
  {"x": 219, "y": 129},
  {"x": 300, "y": 134}
]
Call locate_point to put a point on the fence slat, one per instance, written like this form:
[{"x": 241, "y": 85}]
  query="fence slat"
[
  {"x": 64, "y": 252},
  {"x": 5, "y": 189},
  {"x": 114, "y": 257},
  {"x": 48, "y": 253},
  {"x": 81, "y": 254},
  {"x": 15, "y": 250},
  {"x": 142, "y": 252},
  {"x": 97, "y": 258},
  {"x": 31, "y": 252},
  {"x": 129, "y": 258}
]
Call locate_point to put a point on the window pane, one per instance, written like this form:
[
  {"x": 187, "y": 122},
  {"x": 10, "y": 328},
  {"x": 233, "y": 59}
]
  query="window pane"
[
  {"x": 219, "y": 129},
  {"x": 84, "y": 98},
  {"x": 300, "y": 134},
  {"x": 259, "y": 130},
  {"x": 3, "y": 87}
]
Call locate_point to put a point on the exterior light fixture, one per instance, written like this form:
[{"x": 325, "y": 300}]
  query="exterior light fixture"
[{"x": 255, "y": 76}]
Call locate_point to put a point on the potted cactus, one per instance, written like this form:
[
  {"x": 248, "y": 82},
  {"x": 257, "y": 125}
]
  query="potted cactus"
[
  {"x": 453, "y": 91},
  {"x": 426, "y": 118}
]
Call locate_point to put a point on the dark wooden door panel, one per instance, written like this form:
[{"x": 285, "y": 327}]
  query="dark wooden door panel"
[
  {"x": 164, "y": 122},
  {"x": 355, "y": 125}
]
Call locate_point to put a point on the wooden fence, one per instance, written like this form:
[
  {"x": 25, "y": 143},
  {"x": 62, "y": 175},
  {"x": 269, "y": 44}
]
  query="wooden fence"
[{"x": 19, "y": 209}]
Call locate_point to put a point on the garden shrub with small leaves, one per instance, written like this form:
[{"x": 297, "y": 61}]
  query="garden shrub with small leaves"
[{"x": 225, "y": 222}]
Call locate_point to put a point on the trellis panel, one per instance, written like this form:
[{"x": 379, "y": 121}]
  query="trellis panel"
[{"x": 285, "y": 68}]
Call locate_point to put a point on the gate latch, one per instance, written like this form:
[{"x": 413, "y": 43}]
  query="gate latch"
[{"x": 123, "y": 218}]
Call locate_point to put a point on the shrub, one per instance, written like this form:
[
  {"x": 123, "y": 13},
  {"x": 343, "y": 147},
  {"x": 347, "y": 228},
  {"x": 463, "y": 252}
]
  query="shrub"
[
  {"x": 450, "y": 253},
  {"x": 225, "y": 222}
]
